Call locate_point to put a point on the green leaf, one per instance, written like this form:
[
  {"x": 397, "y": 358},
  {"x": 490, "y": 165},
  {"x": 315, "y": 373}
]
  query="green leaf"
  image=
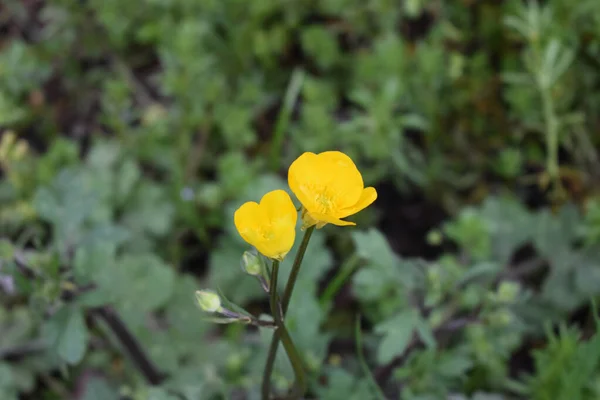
[
  {"x": 341, "y": 386},
  {"x": 425, "y": 333},
  {"x": 128, "y": 175},
  {"x": 374, "y": 247},
  {"x": 226, "y": 274},
  {"x": 96, "y": 388},
  {"x": 151, "y": 212},
  {"x": 398, "y": 332},
  {"x": 9, "y": 392},
  {"x": 135, "y": 284},
  {"x": 554, "y": 234},
  {"x": 453, "y": 365},
  {"x": 369, "y": 284},
  {"x": 67, "y": 335},
  {"x": 510, "y": 226},
  {"x": 160, "y": 394}
]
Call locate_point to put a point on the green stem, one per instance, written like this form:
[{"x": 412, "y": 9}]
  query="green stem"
[
  {"x": 552, "y": 132},
  {"x": 289, "y": 288},
  {"x": 363, "y": 363},
  {"x": 283, "y": 334},
  {"x": 338, "y": 281},
  {"x": 291, "y": 95}
]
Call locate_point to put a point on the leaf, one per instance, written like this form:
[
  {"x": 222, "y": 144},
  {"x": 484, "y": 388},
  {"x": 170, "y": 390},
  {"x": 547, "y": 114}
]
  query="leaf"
[
  {"x": 96, "y": 388},
  {"x": 9, "y": 392},
  {"x": 425, "y": 333},
  {"x": 370, "y": 284},
  {"x": 160, "y": 394},
  {"x": 67, "y": 204},
  {"x": 398, "y": 332},
  {"x": 135, "y": 284},
  {"x": 554, "y": 234},
  {"x": 342, "y": 386},
  {"x": 304, "y": 319},
  {"x": 128, "y": 175},
  {"x": 66, "y": 333},
  {"x": 373, "y": 247},
  {"x": 181, "y": 312},
  {"x": 151, "y": 212},
  {"x": 317, "y": 260},
  {"x": 510, "y": 226},
  {"x": 453, "y": 365},
  {"x": 226, "y": 274}
]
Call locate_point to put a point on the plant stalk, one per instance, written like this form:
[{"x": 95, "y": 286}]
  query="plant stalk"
[
  {"x": 289, "y": 288},
  {"x": 285, "y": 337}
]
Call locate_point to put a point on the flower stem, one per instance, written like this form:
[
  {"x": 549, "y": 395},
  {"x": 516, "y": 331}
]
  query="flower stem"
[
  {"x": 283, "y": 334},
  {"x": 289, "y": 288}
]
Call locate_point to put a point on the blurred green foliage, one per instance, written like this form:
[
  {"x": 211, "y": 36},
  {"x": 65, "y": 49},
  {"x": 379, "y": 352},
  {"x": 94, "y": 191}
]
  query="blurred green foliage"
[{"x": 131, "y": 131}]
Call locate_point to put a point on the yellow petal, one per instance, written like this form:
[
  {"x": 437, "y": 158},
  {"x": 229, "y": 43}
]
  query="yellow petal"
[
  {"x": 279, "y": 208},
  {"x": 344, "y": 181},
  {"x": 330, "y": 175},
  {"x": 301, "y": 173},
  {"x": 367, "y": 197},
  {"x": 248, "y": 219},
  {"x": 320, "y": 218},
  {"x": 269, "y": 226},
  {"x": 282, "y": 217}
]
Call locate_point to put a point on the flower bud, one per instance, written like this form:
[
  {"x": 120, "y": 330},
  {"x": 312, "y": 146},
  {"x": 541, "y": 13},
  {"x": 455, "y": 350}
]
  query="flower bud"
[
  {"x": 252, "y": 263},
  {"x": 20, "y": 150},
  {"x": 208, "y": 300},
  {"x": 508, "y": 292}
]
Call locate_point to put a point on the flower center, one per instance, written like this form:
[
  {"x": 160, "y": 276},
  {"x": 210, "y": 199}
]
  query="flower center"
[
  {"x": 265, "y": 232},
  {"x": 324, "y": 202}
]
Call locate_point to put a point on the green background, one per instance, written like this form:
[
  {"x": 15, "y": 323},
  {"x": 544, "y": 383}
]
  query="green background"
[{"x": 132, "y": 130}]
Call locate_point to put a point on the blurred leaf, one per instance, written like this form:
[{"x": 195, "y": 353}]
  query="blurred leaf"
[
  {"x": 398, "y": 332},
  {"x": 341, "y": 386},
  {"x": 373, "y": 246},
  {"x": 96, "y": 388},
  {"x": 66, "y": 333}
]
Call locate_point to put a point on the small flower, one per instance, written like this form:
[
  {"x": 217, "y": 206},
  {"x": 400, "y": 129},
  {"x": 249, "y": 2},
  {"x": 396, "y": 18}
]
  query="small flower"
[
  {"x": 330, "y": 187},
  {"x": 208, "y": 300},
  {"x": 269, "y": 226}
]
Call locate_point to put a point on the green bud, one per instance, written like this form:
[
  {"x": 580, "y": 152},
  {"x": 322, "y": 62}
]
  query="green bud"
[
  {"x": 252, "y": 263},
  {"x": 434, "y": 237},
  {"x": 500, "y": 318},
  {"x": 507, "y": 292},
  {"x": 208, "y": 300}
]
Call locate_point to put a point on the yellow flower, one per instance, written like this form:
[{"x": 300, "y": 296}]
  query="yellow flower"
[
  {"x": 269, "y": 226},
  {"x": 330, "y": 187}
]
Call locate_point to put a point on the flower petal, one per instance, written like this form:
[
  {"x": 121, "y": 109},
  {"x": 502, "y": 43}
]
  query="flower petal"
[
  {"x": 302, "y": 174},
  {"x": 368, "y": 196},
  {"x": 282, "y": 218},
  {"x": 320, "y": 218},
  {"x": 247, "y": 219},
  {"x": 279, "y": 207},
  {"x": 344, "y": 181},
  {"x": 269, "y": 226},
  {"x": 330, "y": 175}
]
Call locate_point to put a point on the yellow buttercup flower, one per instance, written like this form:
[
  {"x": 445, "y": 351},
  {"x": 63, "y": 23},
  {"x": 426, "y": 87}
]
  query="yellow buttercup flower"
[
  {"x": 330, "y": 187},
  {"x": 269, "y": 226}
]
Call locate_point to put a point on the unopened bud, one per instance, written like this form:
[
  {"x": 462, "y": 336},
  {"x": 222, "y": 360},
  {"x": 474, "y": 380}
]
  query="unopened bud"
[
  {"x": 6, "y": 144},
  {"x": 20, "y": 150},
  {"x": 208, "y": 300},
  {"x": 508, "y": 292},
  {"x": 252, "y": 263}
]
